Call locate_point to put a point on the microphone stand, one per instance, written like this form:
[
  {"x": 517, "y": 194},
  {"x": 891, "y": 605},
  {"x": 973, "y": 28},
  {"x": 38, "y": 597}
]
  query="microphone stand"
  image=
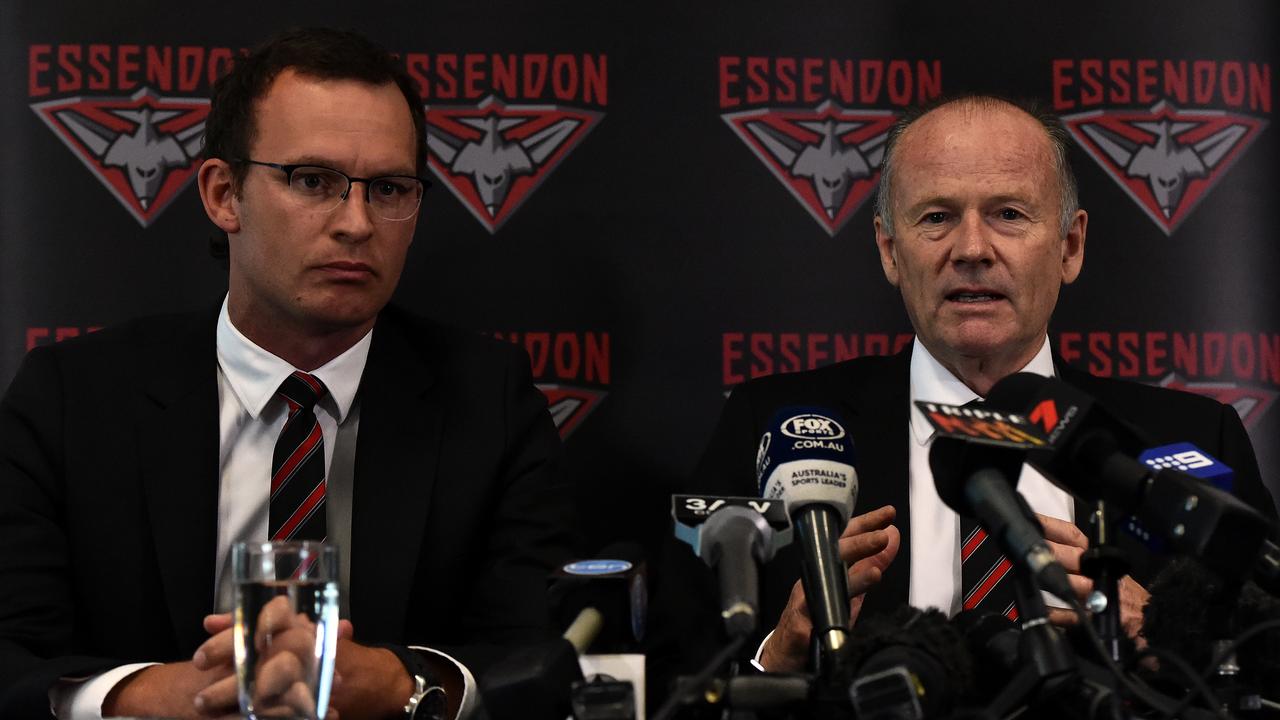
[
  {"x": 1105, "y": 563},
  {"x": 1048, "y": 664}
]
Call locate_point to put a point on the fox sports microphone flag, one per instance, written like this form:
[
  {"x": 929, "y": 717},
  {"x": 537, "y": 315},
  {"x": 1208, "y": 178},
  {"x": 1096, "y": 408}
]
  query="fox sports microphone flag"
[{"x": 806, "y": 457}]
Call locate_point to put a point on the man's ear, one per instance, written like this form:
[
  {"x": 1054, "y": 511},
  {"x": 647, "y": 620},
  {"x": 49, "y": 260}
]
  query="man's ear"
[
  {"x": 1073, "y": 247},
  {"x": 888, "y": 258},
  {"x": 218, "y": 193}
]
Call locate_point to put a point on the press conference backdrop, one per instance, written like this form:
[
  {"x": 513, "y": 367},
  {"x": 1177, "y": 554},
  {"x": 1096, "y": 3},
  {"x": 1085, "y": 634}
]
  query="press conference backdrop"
[{"x": 685, "y": 193}]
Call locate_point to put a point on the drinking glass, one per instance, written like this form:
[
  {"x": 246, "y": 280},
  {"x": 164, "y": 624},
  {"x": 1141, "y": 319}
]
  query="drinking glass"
[{"x": 285, "y": 627}]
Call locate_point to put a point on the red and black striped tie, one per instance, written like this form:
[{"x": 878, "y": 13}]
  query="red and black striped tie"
[
  {"x": 984, "y": 570},
  {"x": 297, "y": 466},
  {"x": 985, "y": 573}
]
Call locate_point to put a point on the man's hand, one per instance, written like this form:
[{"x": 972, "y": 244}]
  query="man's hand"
[
  {"x": 368, "y": 682},
  {"x": 1068, "y": 544},
  {"x": 170, "y": 690},
  {"x": 285, "y": 644},
  {"x": 868, "y": 545},
  {"x": 165, "y": 690}
]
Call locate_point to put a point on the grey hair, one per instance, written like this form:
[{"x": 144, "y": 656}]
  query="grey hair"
[{"x": 1059, "y": 141}]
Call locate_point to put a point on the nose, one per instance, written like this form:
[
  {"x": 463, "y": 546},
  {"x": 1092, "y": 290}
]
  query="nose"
[
  {"x": 352, "y": 221},
  {"x": 972, "y": 243}
]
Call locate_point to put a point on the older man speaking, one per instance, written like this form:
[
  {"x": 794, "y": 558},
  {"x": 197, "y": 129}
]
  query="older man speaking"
[{"x": 979, "y": 226}]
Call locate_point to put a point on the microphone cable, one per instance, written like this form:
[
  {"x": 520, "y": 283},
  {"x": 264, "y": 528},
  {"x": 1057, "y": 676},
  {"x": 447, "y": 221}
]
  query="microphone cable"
[
  {"x": 1223, "y": 653},
  {"x": 699, "y": 681},
  {"x": 1137, "y": 688}
]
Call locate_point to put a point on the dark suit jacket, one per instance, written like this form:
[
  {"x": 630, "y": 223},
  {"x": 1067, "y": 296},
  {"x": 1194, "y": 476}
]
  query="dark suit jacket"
[
  {"x": 108, "y": 499},
  {"x": 872, "y": 394}
]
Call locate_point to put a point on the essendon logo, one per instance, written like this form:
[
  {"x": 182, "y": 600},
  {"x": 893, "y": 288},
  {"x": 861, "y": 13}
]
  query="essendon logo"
[
  {"x": 816, "y": 124},
  {"x": 1240, "y": 369},
  {"x": 569, "y": 405},
  {"x": 133, "y": 114},
  {"x": 1165, "y": 130},
  {"x": 144, "y": 147},
  {"x": 1164, "y": 158},
  {"x": 499, "y": 124},
  {"x": 570, "y": 368},
  {"x": 828, "y": 158},
  {"x": 492, "y": 156}
]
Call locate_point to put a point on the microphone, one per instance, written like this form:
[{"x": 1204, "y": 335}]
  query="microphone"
[
  {"x": 979, "y": 481},
  {"x": 806, "y": 460},
  {"x": 1090, "y": 453},
  {"x": 908, "y": 664},
  {"x": 615, "y": 585},
  {"x": 998, "y": 649},
  {"x": 994, "y": 641},
  {"x": 593, "y": 596},
  {"x": 734, "y": 536},
  {"x": 1187, "y": 458},
  {"x": 1191, "y": 607}
]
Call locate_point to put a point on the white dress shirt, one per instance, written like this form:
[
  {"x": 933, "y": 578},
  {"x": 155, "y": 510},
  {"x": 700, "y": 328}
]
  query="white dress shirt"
[
  {"x": 935, "y": 528},
  {"x": 250, "y": 418}
]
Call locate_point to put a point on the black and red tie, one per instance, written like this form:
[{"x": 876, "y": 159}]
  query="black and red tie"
[
  {"x": 298, "y": 466},
  {"x": 984, "y": 570}
]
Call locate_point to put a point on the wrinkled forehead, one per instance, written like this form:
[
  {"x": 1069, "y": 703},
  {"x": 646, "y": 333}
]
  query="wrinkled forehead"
[{"x": 986, "y": 144}]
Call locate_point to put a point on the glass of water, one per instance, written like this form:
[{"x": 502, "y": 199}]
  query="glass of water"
[{"x": 286, "y": 627}]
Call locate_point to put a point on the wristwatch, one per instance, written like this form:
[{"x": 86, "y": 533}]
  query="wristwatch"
[{"x": 428, "y": 702}]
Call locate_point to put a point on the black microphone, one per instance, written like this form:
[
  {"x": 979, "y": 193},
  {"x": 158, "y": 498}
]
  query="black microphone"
[
  {"x": 999, "y": 650},
  {"x": 806, "y": 460},
  {"x": 980, "y": 481},
  {"x": 735, "y": 536},
  {"x": 537, "y": 681},
  {"x": 1091, "y": 454},
  {"x": 615, "y": 583},
  {"x": 1191, "y": 607},
  {"x": 908, "y": 664}
]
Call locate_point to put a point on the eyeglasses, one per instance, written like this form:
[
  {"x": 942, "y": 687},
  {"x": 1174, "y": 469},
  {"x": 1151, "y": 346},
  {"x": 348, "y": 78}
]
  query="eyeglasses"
[{"x": 315, "y": 187}]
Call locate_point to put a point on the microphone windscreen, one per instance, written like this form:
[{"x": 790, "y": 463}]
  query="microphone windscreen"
[
  {"x": 924, "y": 642},
  {"x": 1191, "y": 608}
]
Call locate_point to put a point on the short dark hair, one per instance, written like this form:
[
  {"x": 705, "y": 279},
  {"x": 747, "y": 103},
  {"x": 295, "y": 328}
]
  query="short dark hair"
[
  {"x": 1059, "y": 141},
  {"x": 322, "y": 53}
]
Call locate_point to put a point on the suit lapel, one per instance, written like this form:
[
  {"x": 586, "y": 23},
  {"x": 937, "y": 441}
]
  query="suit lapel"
[
  {"x": 877, "y": 410},
  {"x": 397, "y": 450},
  {"x": 178, "y": 446}
]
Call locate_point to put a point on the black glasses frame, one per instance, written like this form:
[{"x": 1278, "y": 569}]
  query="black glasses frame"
[{"x": 288, "y": 171}]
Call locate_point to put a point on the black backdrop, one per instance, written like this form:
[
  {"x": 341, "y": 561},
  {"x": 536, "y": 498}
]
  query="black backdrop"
[{"x": 664, "y": 240}]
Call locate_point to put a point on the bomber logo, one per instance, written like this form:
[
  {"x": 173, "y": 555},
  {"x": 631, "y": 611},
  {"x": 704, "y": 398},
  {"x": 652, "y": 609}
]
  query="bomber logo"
[
  {"x": 569, "y": 405},
  {"x": 828, "y": 157},
  {"x": 145, "y": 148},
  {"x": 1250, "y": 402},
  {"x": 492, "y": 156},
  {"x": 571, "y": 368},
  {"x": 1166, "y": 159}
]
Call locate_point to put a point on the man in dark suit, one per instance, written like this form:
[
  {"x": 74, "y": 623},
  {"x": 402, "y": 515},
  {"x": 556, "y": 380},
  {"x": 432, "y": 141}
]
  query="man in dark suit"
[
  {"x": 132, "y": 459},
  {"x": 979, "y": 226}
]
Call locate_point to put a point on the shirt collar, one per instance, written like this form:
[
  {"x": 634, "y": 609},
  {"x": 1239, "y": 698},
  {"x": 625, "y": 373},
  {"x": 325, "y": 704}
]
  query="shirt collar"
[
  {"x": 255, "y": 374},
  {"x": 932, "y": 382}
]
